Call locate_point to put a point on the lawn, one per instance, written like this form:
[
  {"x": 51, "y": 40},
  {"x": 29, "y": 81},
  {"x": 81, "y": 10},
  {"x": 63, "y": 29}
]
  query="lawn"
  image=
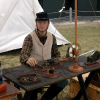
[{"x": 88, "y": 36}]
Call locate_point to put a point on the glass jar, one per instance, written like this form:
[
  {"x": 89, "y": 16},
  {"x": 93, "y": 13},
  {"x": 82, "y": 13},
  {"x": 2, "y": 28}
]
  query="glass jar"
[{"x": 1, "y": 79}]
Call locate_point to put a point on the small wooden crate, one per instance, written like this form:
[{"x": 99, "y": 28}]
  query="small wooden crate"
[
  {"x": 6, "y": 98},
  {"x": 92, "y": 90}
]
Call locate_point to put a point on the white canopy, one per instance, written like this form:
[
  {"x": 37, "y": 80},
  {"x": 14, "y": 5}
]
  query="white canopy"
[{"x": 17, "y": 19}]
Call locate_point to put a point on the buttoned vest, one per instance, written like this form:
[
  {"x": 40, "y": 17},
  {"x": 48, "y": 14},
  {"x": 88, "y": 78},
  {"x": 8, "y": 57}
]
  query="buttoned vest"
[{"x": 39, "y": 51}]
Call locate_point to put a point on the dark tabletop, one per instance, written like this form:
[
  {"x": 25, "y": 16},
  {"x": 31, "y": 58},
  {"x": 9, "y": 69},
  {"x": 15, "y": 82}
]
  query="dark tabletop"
[{"x": 12, "y": 73}]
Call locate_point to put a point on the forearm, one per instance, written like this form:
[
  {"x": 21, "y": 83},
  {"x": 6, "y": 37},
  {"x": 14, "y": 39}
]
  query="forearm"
[{"x": 23, "y": 57}]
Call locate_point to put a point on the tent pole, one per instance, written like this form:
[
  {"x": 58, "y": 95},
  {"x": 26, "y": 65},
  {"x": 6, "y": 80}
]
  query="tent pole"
[
  {"x": 75, "y": 21},
  {"x": 75, "y": 67}
]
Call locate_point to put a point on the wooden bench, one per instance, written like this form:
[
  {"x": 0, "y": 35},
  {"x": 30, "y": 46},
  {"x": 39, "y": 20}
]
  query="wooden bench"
[{"x": 10, "y": 91}]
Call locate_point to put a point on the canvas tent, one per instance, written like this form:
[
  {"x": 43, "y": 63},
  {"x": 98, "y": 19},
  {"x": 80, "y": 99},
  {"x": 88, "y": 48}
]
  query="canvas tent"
[{"x": 17, "y": 19}]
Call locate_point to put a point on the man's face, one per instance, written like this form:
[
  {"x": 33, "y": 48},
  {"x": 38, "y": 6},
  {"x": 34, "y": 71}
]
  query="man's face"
[{"x": 42, "y": 25}]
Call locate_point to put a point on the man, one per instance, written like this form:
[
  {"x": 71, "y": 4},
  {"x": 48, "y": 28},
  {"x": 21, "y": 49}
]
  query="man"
[{"x": 41, "y": 45}]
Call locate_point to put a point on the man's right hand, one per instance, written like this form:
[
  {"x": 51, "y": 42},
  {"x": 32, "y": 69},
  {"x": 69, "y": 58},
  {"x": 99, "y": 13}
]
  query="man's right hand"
[{"x": 31, "y": 61}]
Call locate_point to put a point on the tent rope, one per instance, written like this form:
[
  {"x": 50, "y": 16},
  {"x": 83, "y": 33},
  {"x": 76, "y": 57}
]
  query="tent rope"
[
  {"x": 92, "y": 7},
  {"x": 62, "y": 8}
]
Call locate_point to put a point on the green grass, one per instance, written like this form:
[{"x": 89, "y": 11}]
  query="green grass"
[
  {"x": 10, "y": 59},
  {"x": 88, "y": 36}
]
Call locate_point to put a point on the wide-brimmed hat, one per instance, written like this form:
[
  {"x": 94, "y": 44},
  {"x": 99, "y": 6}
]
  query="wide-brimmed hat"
[{"x": 42, "y": 16}]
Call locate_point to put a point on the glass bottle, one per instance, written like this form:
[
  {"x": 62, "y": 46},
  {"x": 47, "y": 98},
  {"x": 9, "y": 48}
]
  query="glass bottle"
[{"x": 1, "y": 79}]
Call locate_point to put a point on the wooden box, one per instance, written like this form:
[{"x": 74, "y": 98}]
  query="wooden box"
[
  {"x": 92, "y": 90},
  {"x": 6, "y": 98}
]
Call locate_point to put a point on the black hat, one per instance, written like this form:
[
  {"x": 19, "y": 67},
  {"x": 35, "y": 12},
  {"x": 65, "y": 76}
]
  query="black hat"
[{"x": 42, "y": 16}]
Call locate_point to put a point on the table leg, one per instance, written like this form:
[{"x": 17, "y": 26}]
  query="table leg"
[
  {"x": 27, "y": 95},
  {"x": 88, "y": 80},
  {"x": 83, "y": 89},
  {"x": 19, "y": 96}
]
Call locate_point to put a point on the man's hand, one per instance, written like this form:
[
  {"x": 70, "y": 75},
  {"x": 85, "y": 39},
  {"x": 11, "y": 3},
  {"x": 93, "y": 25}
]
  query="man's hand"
[{"x": 31, "y": 61}]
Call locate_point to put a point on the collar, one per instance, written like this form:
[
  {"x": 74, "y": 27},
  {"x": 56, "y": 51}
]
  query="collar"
[{"x": 39, "y": 34}]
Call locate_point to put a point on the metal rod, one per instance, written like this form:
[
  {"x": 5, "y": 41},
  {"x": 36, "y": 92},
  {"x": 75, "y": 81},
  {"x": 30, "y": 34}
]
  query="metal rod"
[
  {"x": 75, "y": 21},
  {"x": 87, "y": 52}
]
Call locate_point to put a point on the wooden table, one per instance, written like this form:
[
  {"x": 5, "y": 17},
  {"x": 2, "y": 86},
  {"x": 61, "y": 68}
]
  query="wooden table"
[
  {"x": 12, "y": 73},
  {"x": 10, "y": 91}
]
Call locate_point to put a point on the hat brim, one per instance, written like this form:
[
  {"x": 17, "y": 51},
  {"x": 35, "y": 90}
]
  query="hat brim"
[{"x": 42, "y": 19}]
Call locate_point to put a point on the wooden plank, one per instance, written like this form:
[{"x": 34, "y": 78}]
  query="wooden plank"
[
  {"x": 95, "y": 83},
  {"x": 6, "y": 98},
  {"x": 12, "y": 73},
  {"x": 10, "y": 91}
]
